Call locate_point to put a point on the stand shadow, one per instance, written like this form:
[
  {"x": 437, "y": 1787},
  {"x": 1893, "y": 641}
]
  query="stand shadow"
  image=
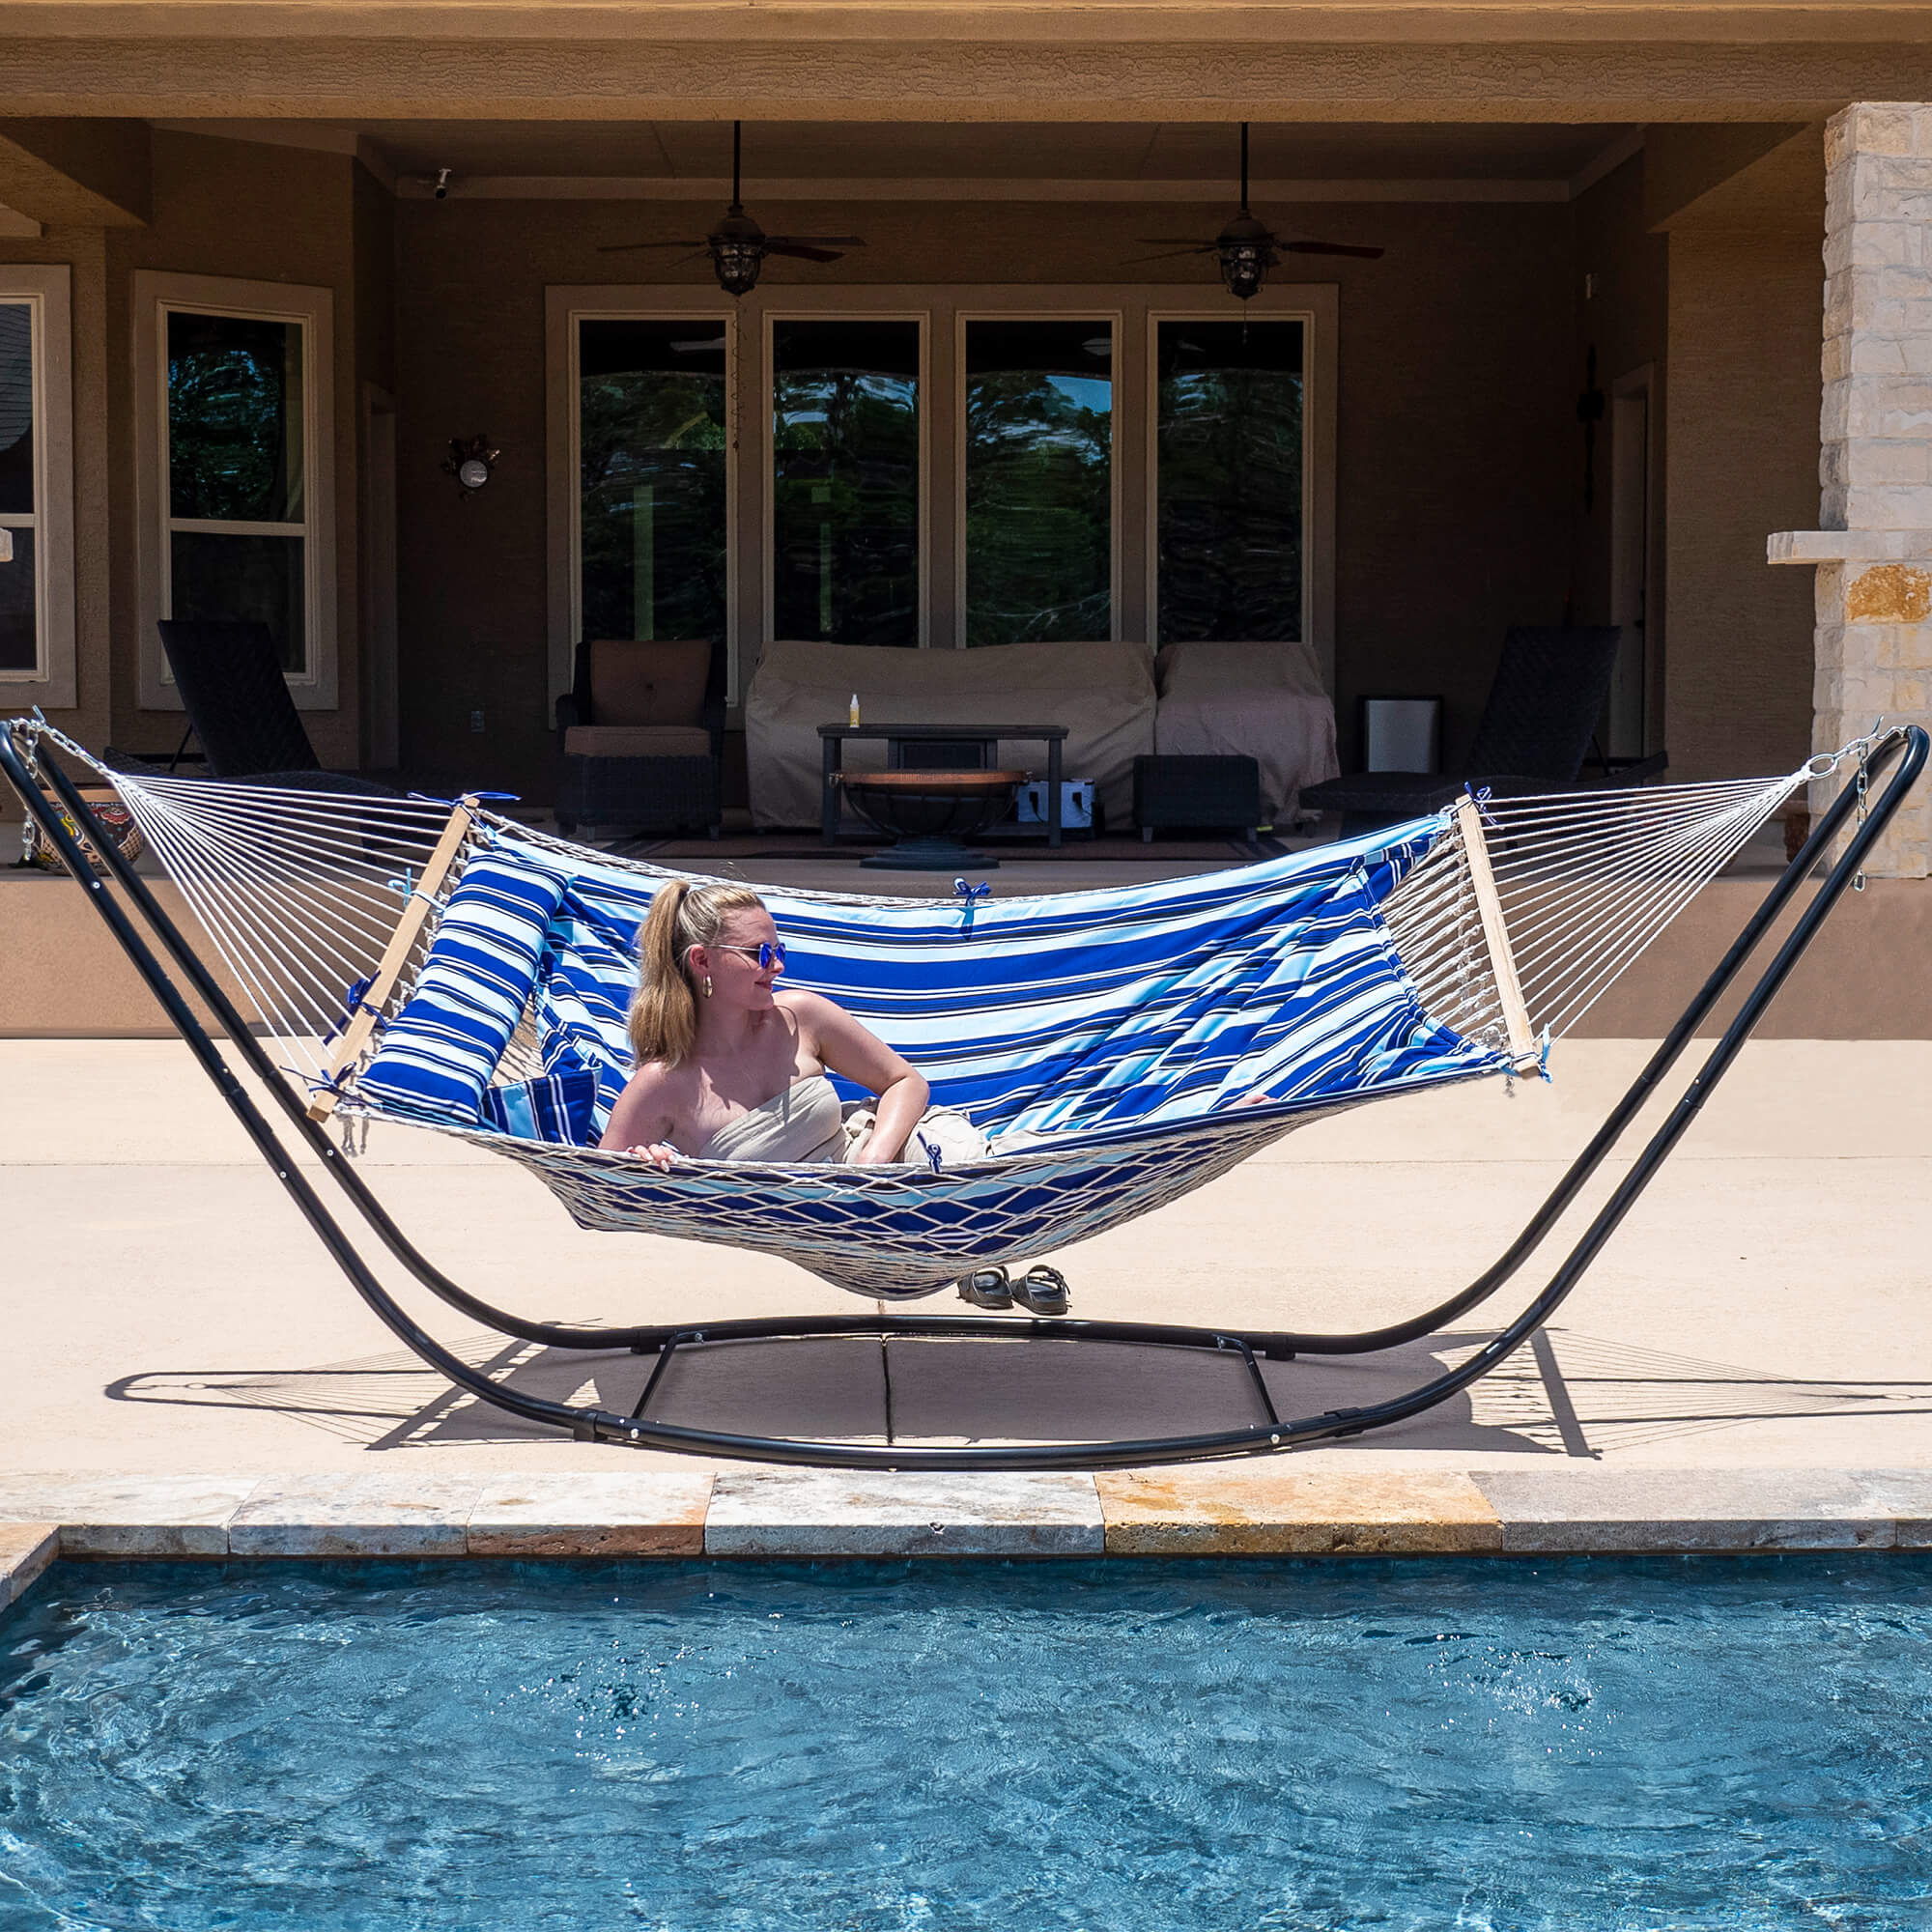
[{"x": 1562, "y": 1394}]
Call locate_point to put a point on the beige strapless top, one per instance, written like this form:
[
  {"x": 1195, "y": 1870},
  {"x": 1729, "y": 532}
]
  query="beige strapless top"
[{"x": 802, "y": 1124}]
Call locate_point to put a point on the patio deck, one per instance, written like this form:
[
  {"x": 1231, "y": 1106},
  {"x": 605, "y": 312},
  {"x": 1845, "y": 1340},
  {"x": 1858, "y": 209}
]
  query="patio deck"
[{"x": 187, "y": 1372}]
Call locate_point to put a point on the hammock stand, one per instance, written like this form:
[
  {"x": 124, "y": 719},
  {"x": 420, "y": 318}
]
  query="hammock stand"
[{"x": 1903, "y": 750}]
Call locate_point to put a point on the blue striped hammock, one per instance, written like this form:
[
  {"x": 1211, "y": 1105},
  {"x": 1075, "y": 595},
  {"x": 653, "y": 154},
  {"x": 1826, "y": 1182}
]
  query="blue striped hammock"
[{"x": 1119, "y": 1048}]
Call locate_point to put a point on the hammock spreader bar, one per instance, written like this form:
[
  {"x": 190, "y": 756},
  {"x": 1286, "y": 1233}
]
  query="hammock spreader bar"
[{"x": 1907, "y": 746}]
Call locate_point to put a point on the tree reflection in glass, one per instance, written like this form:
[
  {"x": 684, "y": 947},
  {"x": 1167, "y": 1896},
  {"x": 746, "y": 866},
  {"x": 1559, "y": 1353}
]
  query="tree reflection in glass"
[
  {"x": 1228, "y": 441},
  {"x": 235, "y": 459},
  {"x": 234, "y": 418},
  {"x": 651, "y": 440},
  {"x": 845, "y": 481},
  {"x": 1040, "y": 407}
]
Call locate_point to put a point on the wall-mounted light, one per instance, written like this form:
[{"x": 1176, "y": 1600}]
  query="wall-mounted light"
[{"x": 471, "y": 461}]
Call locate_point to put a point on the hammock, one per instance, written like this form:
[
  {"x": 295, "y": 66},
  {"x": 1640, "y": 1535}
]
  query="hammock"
[{"x": 453, "y": 970}]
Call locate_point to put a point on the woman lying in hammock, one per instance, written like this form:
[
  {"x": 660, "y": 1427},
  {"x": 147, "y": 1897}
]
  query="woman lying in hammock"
[{"x": 732, "y": 1068}]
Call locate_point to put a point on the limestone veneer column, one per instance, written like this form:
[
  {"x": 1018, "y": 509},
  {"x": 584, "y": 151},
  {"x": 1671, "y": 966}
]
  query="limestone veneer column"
[{"x": 1874, "y": 554}]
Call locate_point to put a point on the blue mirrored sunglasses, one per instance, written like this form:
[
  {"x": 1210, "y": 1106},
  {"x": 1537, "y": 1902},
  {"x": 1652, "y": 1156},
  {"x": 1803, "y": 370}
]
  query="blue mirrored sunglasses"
[{"x": 768, "y": 953}]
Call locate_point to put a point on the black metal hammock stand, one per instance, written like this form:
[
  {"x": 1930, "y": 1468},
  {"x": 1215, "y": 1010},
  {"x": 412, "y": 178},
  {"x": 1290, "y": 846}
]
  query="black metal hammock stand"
[{"x": 1460, "y": 869}]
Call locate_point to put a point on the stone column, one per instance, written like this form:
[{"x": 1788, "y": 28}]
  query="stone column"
[{"x": 1874, "y": 554}]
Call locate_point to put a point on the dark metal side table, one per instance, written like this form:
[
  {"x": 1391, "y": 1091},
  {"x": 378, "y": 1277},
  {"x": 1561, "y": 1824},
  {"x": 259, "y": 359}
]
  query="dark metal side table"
[{"x": 987, "y": 737}]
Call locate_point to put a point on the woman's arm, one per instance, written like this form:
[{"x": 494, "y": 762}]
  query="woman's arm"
[
  {"x": 643, "y": 1119},
  {"x": 850, "y": 1049}
]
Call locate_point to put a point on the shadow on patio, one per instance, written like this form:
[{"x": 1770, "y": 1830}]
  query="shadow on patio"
[{"x": 1564, "y": 1394}]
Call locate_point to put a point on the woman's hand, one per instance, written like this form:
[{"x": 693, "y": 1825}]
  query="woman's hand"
[{"x": 660, "y": 1154}]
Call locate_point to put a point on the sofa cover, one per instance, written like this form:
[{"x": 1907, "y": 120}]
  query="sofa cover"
[
  {"x": 1102, "y": 692},
  {"x": 1264, "y": 700}
]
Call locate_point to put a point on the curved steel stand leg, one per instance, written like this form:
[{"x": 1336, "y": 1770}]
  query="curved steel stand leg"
[{"x": 1911, "y": 744}]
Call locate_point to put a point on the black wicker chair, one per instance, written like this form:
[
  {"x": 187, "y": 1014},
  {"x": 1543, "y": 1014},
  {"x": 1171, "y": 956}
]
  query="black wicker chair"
[
  {"x": 641, "y": 737},
  {"x": 1536, "y": 734},
  {"x": 239, "y": 706}
]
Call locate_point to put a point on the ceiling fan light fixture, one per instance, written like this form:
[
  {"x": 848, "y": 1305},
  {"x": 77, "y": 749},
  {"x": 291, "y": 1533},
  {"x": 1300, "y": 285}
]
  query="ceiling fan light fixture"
[
  {"x": 1247, "y": 253},
  {"x": 737, "y": 248}
]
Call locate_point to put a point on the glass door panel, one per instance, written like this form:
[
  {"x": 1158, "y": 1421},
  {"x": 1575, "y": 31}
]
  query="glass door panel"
[
  {"x": 1229, "y": 460},
  {"x": 1038, "y": 429},
  {"x": 846, "y": 449},
  {"x": 653, "y": 439}
]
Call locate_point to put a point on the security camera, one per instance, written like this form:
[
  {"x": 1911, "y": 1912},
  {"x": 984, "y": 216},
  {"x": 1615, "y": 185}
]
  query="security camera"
[{"x": 441, "y": 188}]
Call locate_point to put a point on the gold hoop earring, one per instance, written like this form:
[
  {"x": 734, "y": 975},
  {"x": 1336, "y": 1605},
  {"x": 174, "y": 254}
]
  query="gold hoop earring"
[{"x": 707, "y": 985}]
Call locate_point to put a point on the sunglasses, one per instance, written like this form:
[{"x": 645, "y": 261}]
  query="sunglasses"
[{"x": 768, "y": 953}]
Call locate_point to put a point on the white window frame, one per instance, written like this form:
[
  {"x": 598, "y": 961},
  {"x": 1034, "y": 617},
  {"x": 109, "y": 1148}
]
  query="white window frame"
[
  {"x": 46, "y": 294},
  {"x": 314, "y": 688},
  {"x": 791, "y": 309},
  {"x": 942, "y": 512},
  {"x": 564, "y": 308},
  {"x": 1316, "y": 308},
  {"x": 1115, "y": 320}
]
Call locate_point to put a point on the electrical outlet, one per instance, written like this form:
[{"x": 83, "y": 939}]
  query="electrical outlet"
[{"x": 477, "y": 719}]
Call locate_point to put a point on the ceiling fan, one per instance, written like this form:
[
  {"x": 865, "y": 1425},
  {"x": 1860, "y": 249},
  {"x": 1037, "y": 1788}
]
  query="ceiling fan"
[
  {"x": 1247, "y": 249},
  {"x": 738, "y": 245}
]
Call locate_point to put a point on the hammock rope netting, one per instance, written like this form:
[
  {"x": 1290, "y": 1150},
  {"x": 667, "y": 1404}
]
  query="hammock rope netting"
[{"x": 454, "y": 970}]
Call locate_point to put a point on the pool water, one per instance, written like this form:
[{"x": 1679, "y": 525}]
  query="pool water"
[{"x": 1577, "y": 1744}]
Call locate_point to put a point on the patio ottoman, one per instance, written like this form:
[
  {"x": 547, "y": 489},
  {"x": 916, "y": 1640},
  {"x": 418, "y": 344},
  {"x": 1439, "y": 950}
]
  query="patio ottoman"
[
  {"x": 1219, "y": 793},
  {"x": 647, "y": 778}
]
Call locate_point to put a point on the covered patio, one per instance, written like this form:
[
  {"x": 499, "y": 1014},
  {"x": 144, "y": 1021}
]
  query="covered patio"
[{"x": 407, "y": 339}]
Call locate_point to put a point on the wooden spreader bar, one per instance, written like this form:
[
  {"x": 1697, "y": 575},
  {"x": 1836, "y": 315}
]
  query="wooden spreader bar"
[
  {"x": 1495, "y": 935},
  {"x": 371, "y": 1007}
]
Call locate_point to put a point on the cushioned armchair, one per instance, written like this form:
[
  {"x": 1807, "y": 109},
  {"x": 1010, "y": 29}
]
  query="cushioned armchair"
[{"x": 641, "y": 737}]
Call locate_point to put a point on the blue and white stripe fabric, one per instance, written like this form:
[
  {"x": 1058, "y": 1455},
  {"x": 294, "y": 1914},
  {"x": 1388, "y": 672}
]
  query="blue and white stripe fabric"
[{"x": 1101, "y": 1039}]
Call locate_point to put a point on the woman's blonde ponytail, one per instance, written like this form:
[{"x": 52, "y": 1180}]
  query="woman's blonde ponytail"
[{"x": 664, "y": 1010}]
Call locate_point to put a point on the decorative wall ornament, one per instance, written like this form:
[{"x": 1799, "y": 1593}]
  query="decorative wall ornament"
[{"x": 471, "y": 461}]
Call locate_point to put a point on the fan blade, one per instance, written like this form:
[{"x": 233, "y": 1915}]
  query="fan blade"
[
  {"x": 629, "y": 248},
  {"x": 819, "y": 240},
  {"x": 1330, "y": 249},
  {"x": 1168, "y": 255},
  {"x": 1193, "y": 241},
  {"x": 773, "y": 245}
]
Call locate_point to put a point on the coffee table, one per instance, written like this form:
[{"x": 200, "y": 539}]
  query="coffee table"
[{"x": 989, "y": 737}]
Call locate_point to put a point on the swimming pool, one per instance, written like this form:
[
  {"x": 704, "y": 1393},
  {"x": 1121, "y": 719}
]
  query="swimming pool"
[{"x": 1584, "y": 1743}]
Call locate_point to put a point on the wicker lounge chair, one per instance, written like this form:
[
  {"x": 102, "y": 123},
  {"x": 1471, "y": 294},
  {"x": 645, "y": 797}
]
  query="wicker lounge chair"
[{"x": 1534, "y": 735}]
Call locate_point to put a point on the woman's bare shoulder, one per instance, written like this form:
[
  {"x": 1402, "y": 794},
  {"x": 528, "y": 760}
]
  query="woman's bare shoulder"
[{"x": 647, "y": 1107}]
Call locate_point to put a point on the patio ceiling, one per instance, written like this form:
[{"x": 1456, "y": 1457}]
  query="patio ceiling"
[{"x": 1152, "y": 161}]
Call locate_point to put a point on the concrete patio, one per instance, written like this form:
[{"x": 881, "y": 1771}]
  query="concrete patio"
[{"x": 187, "y": 1372}]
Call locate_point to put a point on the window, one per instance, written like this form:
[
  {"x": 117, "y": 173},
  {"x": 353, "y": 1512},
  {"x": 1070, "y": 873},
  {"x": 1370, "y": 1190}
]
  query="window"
[
  {"x": 1039, "y": 491},
  {"x": 234, "y": 464},
  {"x": 20, "y": 650},
  {"x": 1229, "y": 443},
  {"x": 845, "y": 505},
  {"x": 237, "y": 500},
  {"x": 35, "y": 489},
  {"x": 652, "y": 457}
]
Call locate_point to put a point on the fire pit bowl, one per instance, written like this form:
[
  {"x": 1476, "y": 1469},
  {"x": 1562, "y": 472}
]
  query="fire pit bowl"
[{"x": 930, "y": 813}]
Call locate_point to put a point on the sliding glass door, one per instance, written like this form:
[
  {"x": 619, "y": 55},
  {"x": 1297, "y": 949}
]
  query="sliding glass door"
[
  {"x": 1228, "y": 484},
  {"x": 652, "y": 444},
  {"x": 1037, "y": 434},
  {"x": 845, "y": 480}
]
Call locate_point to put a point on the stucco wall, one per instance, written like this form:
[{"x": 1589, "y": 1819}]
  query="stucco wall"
[{"x": 1746, "y": 294}]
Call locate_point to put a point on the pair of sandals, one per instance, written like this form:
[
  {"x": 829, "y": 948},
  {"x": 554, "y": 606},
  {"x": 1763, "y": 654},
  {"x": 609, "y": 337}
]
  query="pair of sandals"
[{"x": 1040, "y": 1290}]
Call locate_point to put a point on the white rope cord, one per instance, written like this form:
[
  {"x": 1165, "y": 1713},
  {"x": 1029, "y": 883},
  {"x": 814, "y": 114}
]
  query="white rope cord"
[{"x": 300, "y": 891}]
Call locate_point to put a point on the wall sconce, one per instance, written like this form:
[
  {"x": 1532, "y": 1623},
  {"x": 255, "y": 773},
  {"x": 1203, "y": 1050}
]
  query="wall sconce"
[{"x": 471, "y": 461}]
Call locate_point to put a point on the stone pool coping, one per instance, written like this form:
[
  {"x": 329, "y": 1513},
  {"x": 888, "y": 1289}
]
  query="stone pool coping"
[{"x": 1242, "y": 1509}]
